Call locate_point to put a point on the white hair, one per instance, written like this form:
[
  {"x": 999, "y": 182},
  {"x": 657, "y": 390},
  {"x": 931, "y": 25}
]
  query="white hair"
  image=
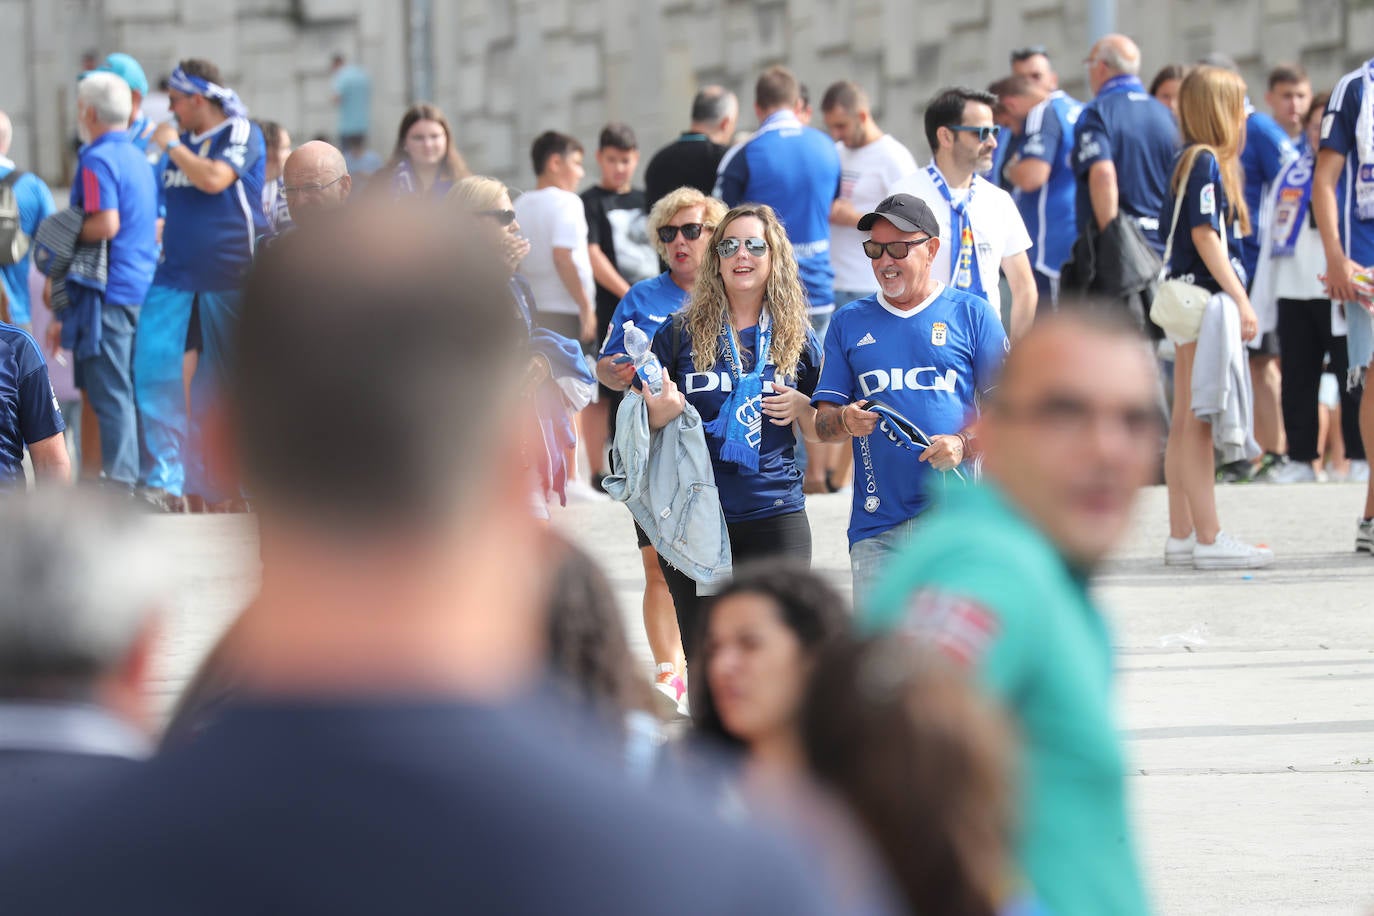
[
  {"x": 78, "y": 583},
  {"x": 109, "y": 96}
]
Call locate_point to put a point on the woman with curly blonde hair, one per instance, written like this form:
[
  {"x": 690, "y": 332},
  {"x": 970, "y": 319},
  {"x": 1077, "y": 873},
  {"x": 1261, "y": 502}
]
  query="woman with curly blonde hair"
[{"x": 743, "y": 354}]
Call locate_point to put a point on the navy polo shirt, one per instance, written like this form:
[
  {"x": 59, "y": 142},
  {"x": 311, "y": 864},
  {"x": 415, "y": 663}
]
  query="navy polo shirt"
[{"x": 28, "y": 406}]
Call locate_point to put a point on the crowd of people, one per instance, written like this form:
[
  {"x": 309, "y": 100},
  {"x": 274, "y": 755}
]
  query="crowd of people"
[{"x": 431, "y": 700}]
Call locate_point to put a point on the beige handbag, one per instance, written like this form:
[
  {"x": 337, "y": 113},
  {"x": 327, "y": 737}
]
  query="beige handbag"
[{"x": 1178, "y": 306}]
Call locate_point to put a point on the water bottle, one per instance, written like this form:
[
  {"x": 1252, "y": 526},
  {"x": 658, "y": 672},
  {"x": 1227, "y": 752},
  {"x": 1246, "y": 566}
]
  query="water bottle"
[{"x": 647, "y": 366}]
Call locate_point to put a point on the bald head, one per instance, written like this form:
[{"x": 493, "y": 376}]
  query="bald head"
[
  {"x": 317, "y": 180},
  {"x": 1073, "y": 429},
  {"x": 6, "y": 134},
  {"x": 1118, "y": 53}
]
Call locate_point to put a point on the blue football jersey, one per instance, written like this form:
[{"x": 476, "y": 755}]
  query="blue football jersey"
[
  {"x": 1048, "y": 212},
  {"x": 1267, "y": 150},
  {"x": 1338, "y": 134},
  {"x": 929, "y": 363},
  {"x": 649, "y": 303},
  {"x": 208, "y": 240}
]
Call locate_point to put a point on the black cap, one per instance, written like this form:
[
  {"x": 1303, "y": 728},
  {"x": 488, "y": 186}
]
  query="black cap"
[{"x": 906, "y": 212}]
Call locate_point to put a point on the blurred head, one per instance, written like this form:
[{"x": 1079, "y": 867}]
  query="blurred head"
[
  {"x": 80, "y": 587},
  {"x": 775, "y": 89},
  {"x": 103, "y": 103},
  {"x": 1073, "y": 428},
  {"x": 902, "y": 223},
  {"x": 1312, "y": 120},
  {"x": 197, "y": 113},
  {"x": 715, "y": 112},
  {"x": 557, "y": 160},
  {"x": 923, "y": 763},
  {"x": 684, "y": 207},
  {"x": 315, "y": 182},
  {"x": 1289, "y": 96},
  {"x": 1211, "y": 115},
  {"x": 489, "y": 201},
  {"x": 760, "y": 638},
  {"x": 425, "y": 140},
  {"x": 803, "y": 106},
  {"x": 951, "y": 122},
  {"x": 1016, "y": 96},
  {"x": 1166, "y": 84},
  {"x": 278, "y": 143},
  {"x": 742, "y": 274},
  {"x": 129, "y": 70},
  {"x": 1033, "y": 63},
  {"x": 617, "y": 156},
  {"x": 848, "y": 118},
  {"x": 1112, "y": 55}
]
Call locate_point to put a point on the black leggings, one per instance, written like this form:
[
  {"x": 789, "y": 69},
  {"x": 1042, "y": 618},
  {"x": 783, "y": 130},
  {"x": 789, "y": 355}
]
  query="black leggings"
[
  {"x": 1305, "y": 332},
  {"x": 782, "y": 535}
]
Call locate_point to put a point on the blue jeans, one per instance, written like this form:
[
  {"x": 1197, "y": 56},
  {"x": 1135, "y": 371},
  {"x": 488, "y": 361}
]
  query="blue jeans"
[
  {"x": 868, "y": 558},
  {"x": 108, "y": 382},
  {"x": 158, "y": 386},
  {"x": 219, "y": 319}
]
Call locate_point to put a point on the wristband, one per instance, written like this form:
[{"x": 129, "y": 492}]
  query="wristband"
[{"x": 172, "y": 144}]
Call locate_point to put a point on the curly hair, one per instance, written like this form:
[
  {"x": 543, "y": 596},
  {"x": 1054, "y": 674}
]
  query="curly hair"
[
  {"x": 783, "y": 295},
  {"x": 677, "y": 200}
]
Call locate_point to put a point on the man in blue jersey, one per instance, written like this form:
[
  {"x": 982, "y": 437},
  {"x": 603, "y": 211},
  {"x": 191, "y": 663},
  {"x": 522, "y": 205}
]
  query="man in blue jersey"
[
  {"x": 115, "y": 190},
  {"x": 212, "y": 186},
  {"x": 35, "y": 204},
  {"x": 1343, "y": 202},
  {"x": 916, "y": 347},
  {"x": 795, "y": 170},
  {"x": 29, "y": 417},
  {"x": 1041, "y": 172}
]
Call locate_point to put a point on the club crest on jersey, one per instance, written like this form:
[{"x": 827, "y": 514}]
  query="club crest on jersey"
[
  {"x": 872, "y": 503},
  {"x": 1207, "y": 202},
  {"x": 939, "y": 334}
]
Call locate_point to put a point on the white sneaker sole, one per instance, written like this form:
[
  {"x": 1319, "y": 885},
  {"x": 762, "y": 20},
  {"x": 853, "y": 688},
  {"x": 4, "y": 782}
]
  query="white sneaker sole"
[
  {"x": 1178, "y": 559},
  {"x": 1232, "y": 562},
  {"x": 665, "y": 702}
]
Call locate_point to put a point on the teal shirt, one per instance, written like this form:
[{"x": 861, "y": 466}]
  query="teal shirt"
[
  {"x": 990, "y": 590},
  {"x": 354, "y": 88}
]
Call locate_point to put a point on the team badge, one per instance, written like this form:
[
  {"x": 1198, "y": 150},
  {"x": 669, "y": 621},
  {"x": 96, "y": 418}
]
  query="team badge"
[
  {"x": 939, "y": 334},
  {"x": 871, "y": 504},
  {"x": 1207, "y": 202}
]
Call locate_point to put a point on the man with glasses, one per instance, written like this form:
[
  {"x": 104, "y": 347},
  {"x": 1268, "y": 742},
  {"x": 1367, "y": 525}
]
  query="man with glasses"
[
  {"x": 212, "y": 190},
  {"x": 980, "y": 229},
  {"x": 316, "y": 181},
  {"x": 999, "y": 580},
  {"x": 920, "y": 352}
]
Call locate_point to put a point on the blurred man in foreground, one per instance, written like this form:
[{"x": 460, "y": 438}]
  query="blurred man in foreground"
[
  {"x": 999, "y": 580},
  {"x": 383, "y": 754}
]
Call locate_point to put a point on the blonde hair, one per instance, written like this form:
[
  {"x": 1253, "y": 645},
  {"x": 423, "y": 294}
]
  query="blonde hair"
[
  {"x": 783, "y": 296},
  {"x": 477, "y": 192},
  {"x": 672, "y": 203},
  {"x": 1211, "y": 115}
]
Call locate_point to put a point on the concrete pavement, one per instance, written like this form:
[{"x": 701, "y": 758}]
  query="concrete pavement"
[{"x": 1245, "y": 698}]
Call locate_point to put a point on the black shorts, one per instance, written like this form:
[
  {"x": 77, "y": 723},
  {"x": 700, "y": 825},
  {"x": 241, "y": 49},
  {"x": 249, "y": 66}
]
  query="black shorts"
[
  {"x": 1268, "y": 345},
  {"x": 641, "y": 537},
  {"x": 194, "y": 340}
]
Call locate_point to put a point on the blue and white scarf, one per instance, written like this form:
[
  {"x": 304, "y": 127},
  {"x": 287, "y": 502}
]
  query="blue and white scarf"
[
  {"x": 182, "y": 81},
  {"x": 1364, "y": 147},
  {"x": 1291, "y": 201},
  {"x": 740, "y": 421},
  {"x": 965, "y": 273}
]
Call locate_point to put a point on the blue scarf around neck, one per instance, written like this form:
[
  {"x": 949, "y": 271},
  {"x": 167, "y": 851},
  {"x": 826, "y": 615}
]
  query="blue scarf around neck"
[{"x": 740, "y": 421}]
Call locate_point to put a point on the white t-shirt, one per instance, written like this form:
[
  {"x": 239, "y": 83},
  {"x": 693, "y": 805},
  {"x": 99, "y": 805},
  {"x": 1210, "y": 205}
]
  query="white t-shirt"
[
  {"x": 998, "y": 231},
  {"x": 553, "y": 218},
  {"x": 866, "y": 174}
]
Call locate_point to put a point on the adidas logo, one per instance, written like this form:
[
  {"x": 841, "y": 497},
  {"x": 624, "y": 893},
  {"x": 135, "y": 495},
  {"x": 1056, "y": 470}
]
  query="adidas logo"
[{"x": 865, "y": 341}]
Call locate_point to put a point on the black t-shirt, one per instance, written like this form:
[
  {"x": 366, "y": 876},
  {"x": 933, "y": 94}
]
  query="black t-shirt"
[
  {"x": 618, "y": 223},
  {"x": 691, "y": 160}
]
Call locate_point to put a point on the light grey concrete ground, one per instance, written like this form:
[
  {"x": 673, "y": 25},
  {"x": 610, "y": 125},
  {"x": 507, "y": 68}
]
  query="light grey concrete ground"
[{"x": 1245, "y": 698}]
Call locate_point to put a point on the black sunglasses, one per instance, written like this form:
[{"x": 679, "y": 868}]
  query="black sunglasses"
[
  {"x": 896, "y": 250},
  {"x": 502, "y": 217},
  {"x": 755, "y": 246},
  {"x": 1027, "y": 53},
  {"x": 984, "y": 133},
  {"x": 690, "y": 231}
]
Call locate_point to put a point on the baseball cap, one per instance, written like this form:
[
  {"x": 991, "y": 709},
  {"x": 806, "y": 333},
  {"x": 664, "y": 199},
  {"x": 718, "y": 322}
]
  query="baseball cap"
[
  {"x": 124, "y": 67},
  {"x": 905, "y": 211}
]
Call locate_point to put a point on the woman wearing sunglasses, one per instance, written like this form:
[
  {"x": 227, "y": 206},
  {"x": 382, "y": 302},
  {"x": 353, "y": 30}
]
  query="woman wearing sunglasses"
[{"x": 743, "y": 353}]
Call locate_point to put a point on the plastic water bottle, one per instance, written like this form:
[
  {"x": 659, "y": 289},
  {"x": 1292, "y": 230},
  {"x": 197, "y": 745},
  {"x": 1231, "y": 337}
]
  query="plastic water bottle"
[{"x": 647, "y": 366}]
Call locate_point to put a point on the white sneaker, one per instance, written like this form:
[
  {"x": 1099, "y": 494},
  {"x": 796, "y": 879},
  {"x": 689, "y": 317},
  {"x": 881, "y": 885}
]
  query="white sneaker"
[
  {"x": 1364, "y": 536},
  {"x": 1228, "y": 553},
  {"x": 1292, "y": 472},
  {"x": 1179, "y": 551},
  {"x": 1359, "y": 471}
]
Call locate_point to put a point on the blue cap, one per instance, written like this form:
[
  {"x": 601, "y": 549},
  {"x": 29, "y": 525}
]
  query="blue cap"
[{"x": 126, "y": 68}]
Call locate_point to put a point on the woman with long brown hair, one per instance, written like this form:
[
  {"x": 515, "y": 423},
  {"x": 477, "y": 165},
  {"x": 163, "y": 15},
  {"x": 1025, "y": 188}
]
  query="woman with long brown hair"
[
  {"x": 1205, "y": 250},
  {"x": 743, "y": 354},
  {"x": 426, "y": 160}
]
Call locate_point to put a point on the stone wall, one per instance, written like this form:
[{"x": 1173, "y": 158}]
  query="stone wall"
[{"x": 505, "y": 70}]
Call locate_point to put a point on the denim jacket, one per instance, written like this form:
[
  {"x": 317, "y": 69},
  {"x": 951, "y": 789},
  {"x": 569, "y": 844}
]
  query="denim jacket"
[{"x": 665, "y": 478}]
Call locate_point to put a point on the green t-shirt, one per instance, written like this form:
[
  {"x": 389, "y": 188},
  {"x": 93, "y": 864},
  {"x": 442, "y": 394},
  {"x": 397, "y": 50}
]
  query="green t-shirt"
[{"x": 991, "y": 591}]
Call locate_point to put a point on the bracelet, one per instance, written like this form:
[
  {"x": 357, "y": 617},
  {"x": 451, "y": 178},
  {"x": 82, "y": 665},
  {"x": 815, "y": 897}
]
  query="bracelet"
[
  {"x": 172, "y": 144},
  {"x": 844, "y": 422}
]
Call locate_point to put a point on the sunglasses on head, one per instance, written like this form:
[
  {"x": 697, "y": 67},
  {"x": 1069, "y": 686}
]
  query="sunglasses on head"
[
  {"x": 984, "y": 133},
  {"x": 501, "y": 217},
  {"x": 1021, "y": 54},
  {"x": 897, "y": 250},
  {"x": 690, "y": 231},
  {"x": 755, "y": 246}
]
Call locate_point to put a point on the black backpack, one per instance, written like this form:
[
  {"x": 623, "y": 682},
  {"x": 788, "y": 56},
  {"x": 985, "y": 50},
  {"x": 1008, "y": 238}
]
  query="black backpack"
[{"x": 14, "y": 241}]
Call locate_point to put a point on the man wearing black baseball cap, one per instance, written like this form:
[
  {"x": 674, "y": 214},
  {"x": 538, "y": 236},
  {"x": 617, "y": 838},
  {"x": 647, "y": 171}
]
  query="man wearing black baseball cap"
[{"x": 922, "y": 352}]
